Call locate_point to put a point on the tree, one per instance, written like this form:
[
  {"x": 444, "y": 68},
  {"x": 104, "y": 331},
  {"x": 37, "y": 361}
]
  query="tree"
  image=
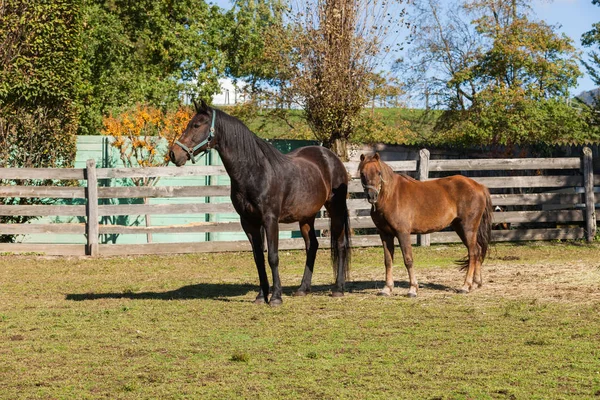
[
  {"x": 507, "y": 82},
  {"x": 148, "y": 52},
  {"x": 39, "y": 85},
  {"x": 324, "y": 59}
]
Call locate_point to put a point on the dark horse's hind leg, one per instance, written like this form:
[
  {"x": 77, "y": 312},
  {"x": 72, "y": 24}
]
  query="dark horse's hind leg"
[
  {"x": 255, "y": 236},
  {"x": 307, "y": 228}
]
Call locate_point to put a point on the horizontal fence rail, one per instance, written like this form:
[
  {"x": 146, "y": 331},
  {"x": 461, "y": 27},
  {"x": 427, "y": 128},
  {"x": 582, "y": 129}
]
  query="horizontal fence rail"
[{"x": 534, "y": 199}]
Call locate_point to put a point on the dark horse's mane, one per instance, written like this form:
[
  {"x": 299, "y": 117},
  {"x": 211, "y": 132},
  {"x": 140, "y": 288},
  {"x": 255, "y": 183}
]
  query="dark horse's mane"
[{"x": 236, "y": 135}]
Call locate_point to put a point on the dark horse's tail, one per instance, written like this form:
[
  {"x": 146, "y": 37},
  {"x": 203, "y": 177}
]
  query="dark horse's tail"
[
  {"x": 484, "y": 233},
  {"x": 341, "y": 225}
]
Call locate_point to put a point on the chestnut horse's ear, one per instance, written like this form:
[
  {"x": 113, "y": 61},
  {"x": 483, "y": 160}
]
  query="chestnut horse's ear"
[
  {"x": 362, "y": 157},
  {"x": 376, "y": 157}
]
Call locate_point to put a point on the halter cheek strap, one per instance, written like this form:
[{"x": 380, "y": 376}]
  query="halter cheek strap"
[
  {"x": 377, "y": 190},
  {"x": 211, "y": 135}
]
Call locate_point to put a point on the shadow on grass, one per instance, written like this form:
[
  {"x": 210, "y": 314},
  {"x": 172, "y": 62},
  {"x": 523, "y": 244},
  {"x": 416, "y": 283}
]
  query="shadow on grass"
[{"x": 223, "y": 291}]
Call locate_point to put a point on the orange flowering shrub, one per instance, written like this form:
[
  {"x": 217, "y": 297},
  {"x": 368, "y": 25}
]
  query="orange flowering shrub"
[{"x": 142, "y": 134}]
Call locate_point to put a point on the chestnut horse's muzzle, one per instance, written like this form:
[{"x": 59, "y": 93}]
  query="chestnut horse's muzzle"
[{"x": 372, "y": 193}]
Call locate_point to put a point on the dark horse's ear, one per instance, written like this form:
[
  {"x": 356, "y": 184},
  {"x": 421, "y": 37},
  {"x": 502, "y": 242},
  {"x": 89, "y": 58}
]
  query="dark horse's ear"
[
  {"x": 376, "y": 157},
  {"x": 200, "y": 107}
]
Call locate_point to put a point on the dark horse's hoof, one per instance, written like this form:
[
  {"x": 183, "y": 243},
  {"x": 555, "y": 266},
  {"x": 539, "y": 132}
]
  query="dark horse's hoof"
[
  {"x": 337, "y": 294},
  {"x": 300, "y": 293},
  {"x": 275, "y": 302},
  {"x": 259, "y": 300}
]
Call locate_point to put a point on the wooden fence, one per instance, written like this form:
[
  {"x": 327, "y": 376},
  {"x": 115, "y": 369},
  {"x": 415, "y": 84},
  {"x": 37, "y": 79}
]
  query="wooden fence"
[{"x": 536, "y": 199}]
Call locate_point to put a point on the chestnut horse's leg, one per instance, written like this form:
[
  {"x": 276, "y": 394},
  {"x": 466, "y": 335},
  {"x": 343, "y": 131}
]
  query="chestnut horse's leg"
[
  {"x": 388, "y": 258},
  {"x": 469, "y": 239},
  {"x": 255, "y": 236},
  {"x": 307, "y": 228},
  {"x": 406, "y": 247},
  {"x": 272, "y": 233}
]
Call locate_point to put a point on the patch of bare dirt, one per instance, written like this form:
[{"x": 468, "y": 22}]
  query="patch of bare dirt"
[
  {"x": 574, "y": 282},
  {"x": 577, "y": 282}
]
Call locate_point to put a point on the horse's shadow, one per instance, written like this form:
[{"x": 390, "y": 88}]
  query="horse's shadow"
[{"x": 224, "y": 291}]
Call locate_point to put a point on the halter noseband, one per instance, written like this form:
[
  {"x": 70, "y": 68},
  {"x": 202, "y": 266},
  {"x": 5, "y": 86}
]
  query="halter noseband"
[
  {"x": 211, "y": 135},
  {"x": 377, "y": 190}
]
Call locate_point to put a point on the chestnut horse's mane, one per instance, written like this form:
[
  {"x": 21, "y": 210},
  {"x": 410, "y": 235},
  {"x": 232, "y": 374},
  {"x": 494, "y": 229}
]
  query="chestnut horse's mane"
[{"x": 388, "y": 173}]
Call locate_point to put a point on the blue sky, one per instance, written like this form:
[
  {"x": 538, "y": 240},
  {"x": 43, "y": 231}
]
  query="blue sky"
[{"x": 574, "y": 17}]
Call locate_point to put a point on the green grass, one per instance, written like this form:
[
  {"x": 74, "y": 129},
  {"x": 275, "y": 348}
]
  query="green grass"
[{"x": 185, "y": 327}]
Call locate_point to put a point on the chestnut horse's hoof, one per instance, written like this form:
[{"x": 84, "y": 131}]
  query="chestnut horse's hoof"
[
  {"x": 383, "y": 293},
  {"x": 301, "y": 293},
  {"x": 463, "y": 291},
  {"x": 337, "y": 294},
  {"x": 411, "y": 295},
  {"x": 275, "y": 302}
]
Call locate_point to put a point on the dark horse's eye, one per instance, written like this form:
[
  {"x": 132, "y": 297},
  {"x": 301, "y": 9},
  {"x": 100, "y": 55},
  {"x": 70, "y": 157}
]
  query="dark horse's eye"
[{"x": 196, "y": 125}]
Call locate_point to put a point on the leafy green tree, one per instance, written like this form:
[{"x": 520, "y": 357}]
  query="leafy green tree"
[
  {"x": 40, "y": 62},
  {"x": 39, "y": 82},
  {"x": 509, "y": 82},
  {"x": 148, "y": 52},
  {"x": 322, "y": 56}
]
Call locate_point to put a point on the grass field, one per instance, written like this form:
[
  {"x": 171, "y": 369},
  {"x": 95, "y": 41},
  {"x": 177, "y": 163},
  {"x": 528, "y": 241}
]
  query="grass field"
[{"x": 185, "y": 326}]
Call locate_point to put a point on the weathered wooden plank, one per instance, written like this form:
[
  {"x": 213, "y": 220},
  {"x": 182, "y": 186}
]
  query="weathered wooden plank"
[
  {"x": 162, "y": 209},
  {"x": 163, "y": 192},
  {"x": 54, "y": 192},
  {"x": 59, "y": 228},
  {"x": 588, "y": 179},
  {"x": 423, "y": 175},
  {"x": 399, "y": 166},
  {"x": 536, "y": 199},
  {"x": 199, "y": 170},
  {"x": 538, "y": 234},
  {"x": 92, "y": 208},
  {"x": 530, "y": 181},
  {"x": 195, "y": 227},
  {"x": 539, "y": 216},
  {"x": 42, "y": 173},
  {"x": 507, "y": 164},
  {"x": 44, "y": 249},
  {"x": 42, "y": 210}
]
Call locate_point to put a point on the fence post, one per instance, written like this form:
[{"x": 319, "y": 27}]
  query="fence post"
[
  {"x": 588, "y": 183},
  {"x": 92, "y": 227},
  {"x": 423, "y": 175}
]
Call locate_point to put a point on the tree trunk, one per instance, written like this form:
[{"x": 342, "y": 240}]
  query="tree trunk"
[{"x": 340, "y": 147}]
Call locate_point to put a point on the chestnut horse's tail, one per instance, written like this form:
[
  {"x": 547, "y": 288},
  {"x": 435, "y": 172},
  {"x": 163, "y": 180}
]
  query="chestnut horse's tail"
[{"x": 484, "y": 233}]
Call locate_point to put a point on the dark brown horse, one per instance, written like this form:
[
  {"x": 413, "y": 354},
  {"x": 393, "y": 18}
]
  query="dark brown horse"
[
  {"x": 268, "y": 187},
  {"x": 402, "y": 205}
]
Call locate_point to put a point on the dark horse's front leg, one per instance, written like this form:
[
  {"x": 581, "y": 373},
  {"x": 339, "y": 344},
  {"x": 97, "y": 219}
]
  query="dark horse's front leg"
[
  {"x": 272, "y": 231},
  {"x": 255, "y": 236}
]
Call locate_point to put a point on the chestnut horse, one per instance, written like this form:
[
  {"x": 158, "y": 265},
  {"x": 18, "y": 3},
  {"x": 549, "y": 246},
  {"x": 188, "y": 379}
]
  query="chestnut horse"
[
  {"x": 402, "y": 205},
  {"x": 268, "y": 187}
]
